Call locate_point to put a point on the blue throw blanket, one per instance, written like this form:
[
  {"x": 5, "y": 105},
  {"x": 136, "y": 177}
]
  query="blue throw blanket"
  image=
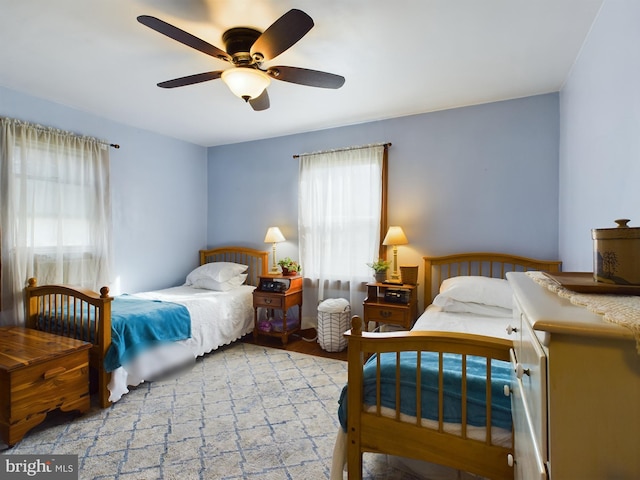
[
  {"x": 476, "y": 388},
  {"x": 137, "y": 324}
]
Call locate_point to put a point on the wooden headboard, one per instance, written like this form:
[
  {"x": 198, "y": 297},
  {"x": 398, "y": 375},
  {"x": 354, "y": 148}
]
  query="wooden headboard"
[
  {"x": 437, "y": 269},
  {"x": 257, "y": 260}
]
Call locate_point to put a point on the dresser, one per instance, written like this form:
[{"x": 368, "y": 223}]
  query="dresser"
[{"x": 575, "y": 390}]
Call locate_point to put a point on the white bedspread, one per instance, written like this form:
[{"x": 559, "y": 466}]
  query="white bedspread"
[
  {"x": 434, "y": 319},
  {"x": 217, "y": 319}
]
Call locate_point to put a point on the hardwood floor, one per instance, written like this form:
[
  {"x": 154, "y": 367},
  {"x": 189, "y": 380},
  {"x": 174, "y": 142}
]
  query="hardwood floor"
[{"x": 302, "y": 343}]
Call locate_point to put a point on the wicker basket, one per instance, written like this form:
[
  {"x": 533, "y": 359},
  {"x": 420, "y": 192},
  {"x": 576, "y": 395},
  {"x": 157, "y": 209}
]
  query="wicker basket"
[
  {"x": 409, "y": 274},
  {"x": 333, "y": 321}
]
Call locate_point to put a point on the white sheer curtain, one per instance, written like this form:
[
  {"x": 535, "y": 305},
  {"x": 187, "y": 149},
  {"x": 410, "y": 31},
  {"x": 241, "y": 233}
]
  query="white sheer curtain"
[
  {"x": 340, "y": 199},
  {"x": 55, "y": 211}
]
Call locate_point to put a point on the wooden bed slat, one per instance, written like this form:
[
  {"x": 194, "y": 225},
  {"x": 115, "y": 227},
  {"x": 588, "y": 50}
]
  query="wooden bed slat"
[
  {"x": 463, "y": 401},
  {"x": 440, "y": 393}
]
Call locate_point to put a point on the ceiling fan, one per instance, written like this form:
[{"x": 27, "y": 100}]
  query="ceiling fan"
[{"x": 247, "y": 49}]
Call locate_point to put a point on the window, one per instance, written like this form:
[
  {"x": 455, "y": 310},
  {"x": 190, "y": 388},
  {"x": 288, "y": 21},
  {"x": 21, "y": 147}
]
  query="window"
[
  {"x": 56, "y": 213},
  {"x": 342, "y": 197}
]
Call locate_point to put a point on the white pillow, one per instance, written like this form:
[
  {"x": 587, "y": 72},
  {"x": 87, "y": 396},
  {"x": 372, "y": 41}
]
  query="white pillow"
[
  {"x": 449, "y": 305},
  {"x": 475, "y": 289},
  {"x": 210, "y": 284},
  {"x": 218, "y": 271}
]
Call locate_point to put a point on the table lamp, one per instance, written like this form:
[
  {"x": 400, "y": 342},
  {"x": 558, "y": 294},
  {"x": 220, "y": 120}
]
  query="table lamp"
[
  {"x": 274, "y": 235},
  {"x": 395, "y": 236}
]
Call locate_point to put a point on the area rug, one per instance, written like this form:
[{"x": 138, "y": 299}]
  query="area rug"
[{"x": 242, "y": 412}]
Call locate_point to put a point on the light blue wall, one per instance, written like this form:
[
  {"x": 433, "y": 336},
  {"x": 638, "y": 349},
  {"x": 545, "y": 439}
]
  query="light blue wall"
[
  {"x": 481, "y": 178},
  {"x": 600, "y": 134},
  {"x": 475, "y": 178},
  {"x": 159, "y": 192}
]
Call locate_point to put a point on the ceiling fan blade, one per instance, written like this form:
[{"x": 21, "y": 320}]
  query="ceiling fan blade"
[
  {"x": 191, "y": 79},
  {"x": 181, "y": 36},
  {"x": 304, "y": 76},
  {"x": 261, "y": 102},
  {"x": 282, "y": 34}
]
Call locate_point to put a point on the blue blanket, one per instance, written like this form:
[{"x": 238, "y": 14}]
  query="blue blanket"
[
  {"x": 476, "y": 388},
  {"x": 137, "y": 324}
]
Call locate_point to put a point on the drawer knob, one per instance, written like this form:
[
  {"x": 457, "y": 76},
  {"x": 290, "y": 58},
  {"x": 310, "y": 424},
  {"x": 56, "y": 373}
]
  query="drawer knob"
[
  {"x": 521, "y": 371},
  {"x": 511, "y": 329},
  {"x": 385, "y": 313},
  {"x": 267, "y": 300}
]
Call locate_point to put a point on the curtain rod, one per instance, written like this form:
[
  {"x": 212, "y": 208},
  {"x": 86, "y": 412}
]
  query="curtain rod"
[
  {"x": 386, "y": 145},
  {"x": 57, "y": 130}
]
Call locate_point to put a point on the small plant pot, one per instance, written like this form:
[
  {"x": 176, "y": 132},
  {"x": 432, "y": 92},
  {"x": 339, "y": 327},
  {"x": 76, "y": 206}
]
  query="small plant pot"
[{"x": 380, "y": 276}]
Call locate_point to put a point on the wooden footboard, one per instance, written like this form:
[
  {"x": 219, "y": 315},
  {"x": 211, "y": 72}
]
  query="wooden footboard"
[
  {"x": 77, "y": 313},
  {"x": 371, "y": 431}
]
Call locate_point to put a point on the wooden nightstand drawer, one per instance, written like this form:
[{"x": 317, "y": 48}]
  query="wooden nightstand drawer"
[
  {"x": 386, "y": 313},
  {"x": 268, "y": 301}
]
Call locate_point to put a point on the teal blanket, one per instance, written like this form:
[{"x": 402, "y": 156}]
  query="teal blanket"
[
  {"x": 476, "y": 388},
  {"x": 137, "y": 324}
]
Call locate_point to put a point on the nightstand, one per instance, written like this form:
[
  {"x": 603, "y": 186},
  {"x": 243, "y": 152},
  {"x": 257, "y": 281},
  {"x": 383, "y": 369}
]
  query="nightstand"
[
  {"x": 391, "y": 304},
  {"x": 277, "y": 292}
]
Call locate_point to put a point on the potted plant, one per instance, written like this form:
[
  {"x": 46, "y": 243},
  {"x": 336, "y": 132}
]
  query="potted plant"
[
  {"x": 380, "y": 268},
  {"x": 289, "y": 267}
]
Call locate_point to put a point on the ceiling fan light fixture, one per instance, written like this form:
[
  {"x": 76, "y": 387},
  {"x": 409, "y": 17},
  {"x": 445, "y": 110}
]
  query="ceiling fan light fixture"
[{"x": 246, "y": 83}]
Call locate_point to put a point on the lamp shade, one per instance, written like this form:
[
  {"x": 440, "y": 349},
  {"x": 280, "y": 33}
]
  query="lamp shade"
[
  {"x": 395, "y": 236},
  {"x": 274, "y": 235},
  {"x": 246, "y": 83}
]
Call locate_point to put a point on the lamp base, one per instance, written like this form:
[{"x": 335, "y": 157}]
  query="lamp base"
[{"x": 393, "y": 282}]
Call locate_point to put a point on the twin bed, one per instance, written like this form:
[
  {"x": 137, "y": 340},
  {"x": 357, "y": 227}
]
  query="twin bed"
[
  {"x": 213, "y": 308},
  {"x": 453, "y": 411}
]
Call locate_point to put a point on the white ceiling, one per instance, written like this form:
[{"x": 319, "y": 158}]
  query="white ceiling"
[{"x": 399, "y": 57}]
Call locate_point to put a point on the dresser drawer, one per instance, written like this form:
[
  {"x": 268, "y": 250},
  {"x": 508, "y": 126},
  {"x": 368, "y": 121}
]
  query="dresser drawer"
[
  {"x": 380, "y": 313},
  {"x": 530, "y": 369},
  {"x": 268, "y": 301},
  {"x": 529, "y": 462}
]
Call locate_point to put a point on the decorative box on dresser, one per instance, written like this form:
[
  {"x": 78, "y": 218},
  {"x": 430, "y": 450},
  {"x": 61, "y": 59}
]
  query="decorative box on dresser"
[{"x": 575, "y": 392}]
